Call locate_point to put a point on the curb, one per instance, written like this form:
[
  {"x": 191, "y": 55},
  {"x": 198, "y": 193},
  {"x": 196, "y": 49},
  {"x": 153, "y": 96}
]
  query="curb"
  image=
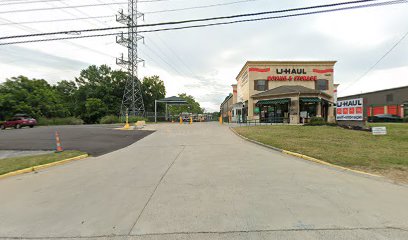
[
  {"x": 305, "y": 157},
  {"x": 256, "y": 142},
  {"x": 39, "y": 167}
]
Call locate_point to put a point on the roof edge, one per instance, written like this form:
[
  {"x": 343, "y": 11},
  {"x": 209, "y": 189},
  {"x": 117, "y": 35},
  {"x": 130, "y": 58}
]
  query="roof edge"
[
  {"x": 228, "y": 98},
  {"x": 383, "y": 90}
]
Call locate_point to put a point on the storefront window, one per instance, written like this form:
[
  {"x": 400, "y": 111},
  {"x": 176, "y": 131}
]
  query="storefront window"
[
  {"x": 275, "y": 113},
  {"x": 322, "y": 85},
  {"x": 310, "y": 108},
  {"x": 261, "y": 85}
]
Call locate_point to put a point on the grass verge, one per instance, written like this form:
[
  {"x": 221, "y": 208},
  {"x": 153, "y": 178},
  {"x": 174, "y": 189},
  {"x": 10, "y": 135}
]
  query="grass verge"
[
  {"x": 17, "y": 163},
  {"x": 386, "y": 155}
]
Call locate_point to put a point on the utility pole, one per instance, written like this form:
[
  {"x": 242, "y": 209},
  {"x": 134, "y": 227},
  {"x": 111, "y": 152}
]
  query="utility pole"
[{"x": 132, "y": 96}]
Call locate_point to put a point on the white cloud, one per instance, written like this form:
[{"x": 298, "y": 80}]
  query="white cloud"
[{"x": 376, "y": 80}]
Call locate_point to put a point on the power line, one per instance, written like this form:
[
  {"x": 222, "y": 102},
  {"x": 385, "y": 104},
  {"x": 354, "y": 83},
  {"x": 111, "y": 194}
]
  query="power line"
[
  {"x": 61, "y": 38},
  {"x": 83, "y": 13},
  {"x": 153, "y": 12},
  {"x": 57, "y": 20},
  {"x": 162, "y": 53},
  {"x": 23, "y": 1},
  {"x": 196, "y": 20},
  {"x": 71, "y": 43},
  {"x": 277, "y": 17},
  {"x": 161, "y": 58},
  {"x": 187, "y": 27},
  {"x": 199, "y": 7},
  {"x": 27, "y": 2},
  {"x": 65, "y": 7},
  {"x": 378, "y": 61},
  {"x": 170, "y": 10},
  {"x": 112, "y": 3},
  {"x": 79, "y": 45},
  {"x": 175, "y": 54},
  {"x": 97, "y": 17}
]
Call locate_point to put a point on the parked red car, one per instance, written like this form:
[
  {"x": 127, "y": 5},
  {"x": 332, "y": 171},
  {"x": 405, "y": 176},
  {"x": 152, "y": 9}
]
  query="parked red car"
[{"x": 19, "y": 121}]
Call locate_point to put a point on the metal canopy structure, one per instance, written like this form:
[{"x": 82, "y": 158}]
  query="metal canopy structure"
[{"x": 168, "y": 101}]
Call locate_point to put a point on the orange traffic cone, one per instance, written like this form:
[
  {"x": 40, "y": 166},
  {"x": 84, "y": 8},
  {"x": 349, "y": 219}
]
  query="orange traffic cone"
[{"x": 57, "y": 139}]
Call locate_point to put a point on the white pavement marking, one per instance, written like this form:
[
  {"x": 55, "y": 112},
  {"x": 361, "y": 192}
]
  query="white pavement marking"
[{"x": 220, "y": 187}]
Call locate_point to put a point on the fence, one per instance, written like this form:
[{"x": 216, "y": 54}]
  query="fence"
[
  {"x": 161, "y": 117},
  {"x": 263, "y": 122}
]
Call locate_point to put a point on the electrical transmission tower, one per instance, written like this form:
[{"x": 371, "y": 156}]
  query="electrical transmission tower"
[{"x": 132, "y": 101}]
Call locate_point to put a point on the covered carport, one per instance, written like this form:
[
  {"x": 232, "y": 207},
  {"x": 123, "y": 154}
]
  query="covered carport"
[{"x": 168, "y": 101}]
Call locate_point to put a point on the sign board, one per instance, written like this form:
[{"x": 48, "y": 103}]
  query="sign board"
[
  {"x": 350, "y": 110},
  {"x": 379, "y": 130},
  {"x": 292, "y": 74},
  {"x": 303, "y": 114}
]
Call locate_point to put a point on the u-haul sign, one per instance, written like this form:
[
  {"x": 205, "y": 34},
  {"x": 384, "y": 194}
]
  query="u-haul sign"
[{"x": 350, "y": 110}]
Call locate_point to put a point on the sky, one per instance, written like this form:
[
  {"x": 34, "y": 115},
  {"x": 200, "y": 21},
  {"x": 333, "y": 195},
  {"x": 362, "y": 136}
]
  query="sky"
[{"x": 204, "y": 62}]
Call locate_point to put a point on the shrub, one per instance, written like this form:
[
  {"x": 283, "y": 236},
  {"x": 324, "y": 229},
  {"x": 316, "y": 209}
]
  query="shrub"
[
  {"x": 110, "y": 119},
  {"x": 405, "y": 119},
  {"x": 133, "y": 119},
  {"x": 59, "y": 121},
  {"x": 95, "y": 109},
  {"x": 316, "y": 121}
]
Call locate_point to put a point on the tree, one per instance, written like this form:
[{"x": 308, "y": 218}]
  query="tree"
[
  {"x": 153, "y": 89},
  {"x": 67, "y": 91},
  {"x": 95, "y": 109},
  {"x": 192, "y": 107},
  {"x": 102, "y": 83},
  {"x": 97, "y": 90},
  {"x": 34, "y": 97}
]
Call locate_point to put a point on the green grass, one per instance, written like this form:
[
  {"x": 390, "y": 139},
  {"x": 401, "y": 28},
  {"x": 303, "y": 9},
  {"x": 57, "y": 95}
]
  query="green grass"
[
  {"x": 339, "y": 146},
  {"x": 17, "y": 163}
]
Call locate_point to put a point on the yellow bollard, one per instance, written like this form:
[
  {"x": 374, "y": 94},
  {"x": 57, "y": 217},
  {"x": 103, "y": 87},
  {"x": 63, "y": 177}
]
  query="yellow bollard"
[
  {"x": 181, "y": 120},
  {"x": 220, "y": 120},
  {"x": 127, "y": 126},
  {"x": 191, "y": 120}
]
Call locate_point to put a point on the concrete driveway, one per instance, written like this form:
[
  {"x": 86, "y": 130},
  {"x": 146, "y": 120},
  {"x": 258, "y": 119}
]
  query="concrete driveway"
[{"x": 200, "y": 181}]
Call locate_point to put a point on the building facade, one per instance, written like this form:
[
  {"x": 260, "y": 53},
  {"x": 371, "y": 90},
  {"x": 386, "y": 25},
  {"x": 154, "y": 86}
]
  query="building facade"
[
  {"x": 389, "y": 101},
  {"x": 226, "y": 108},
  {"x": 284, "y": 91}
]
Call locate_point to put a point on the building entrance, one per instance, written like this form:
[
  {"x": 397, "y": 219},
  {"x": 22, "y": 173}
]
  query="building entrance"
[{"x": 274, "y": 111}]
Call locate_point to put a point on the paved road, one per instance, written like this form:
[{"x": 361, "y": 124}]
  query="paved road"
[
  {"x": 93, "y": 139},
  {"x": 200, "y": 182}
]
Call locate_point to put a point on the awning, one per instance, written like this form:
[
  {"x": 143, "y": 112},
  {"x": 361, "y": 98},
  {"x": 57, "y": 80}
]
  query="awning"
[
  {"x": 273, "y": 101},
  {"x": 173, "y": 101},
  {"x": 310, "y": 100}
]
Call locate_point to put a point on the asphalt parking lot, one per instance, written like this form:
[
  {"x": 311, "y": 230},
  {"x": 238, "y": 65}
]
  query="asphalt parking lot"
[{"x": 93, "y": 139}]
